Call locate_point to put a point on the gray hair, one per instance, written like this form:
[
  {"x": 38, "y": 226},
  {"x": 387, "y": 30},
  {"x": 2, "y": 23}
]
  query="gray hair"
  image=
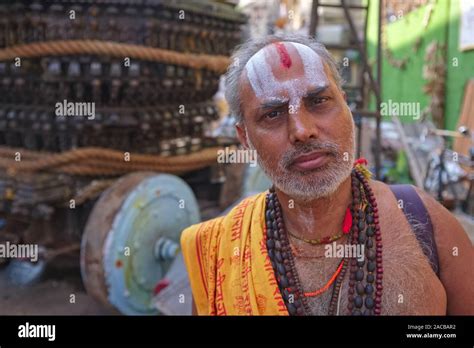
[{"x": 245, "y": 51}]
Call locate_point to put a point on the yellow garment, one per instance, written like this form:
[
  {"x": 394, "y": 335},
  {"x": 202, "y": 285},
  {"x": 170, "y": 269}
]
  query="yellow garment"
[{"x": 228, "y": 264}]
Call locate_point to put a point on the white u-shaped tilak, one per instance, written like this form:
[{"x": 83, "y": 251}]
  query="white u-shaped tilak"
[{"x": 267, "y": 87}]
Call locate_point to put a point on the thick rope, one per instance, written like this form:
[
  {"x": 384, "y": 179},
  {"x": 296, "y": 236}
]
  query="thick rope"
[
  {"x": 215, "y": 63},
  {"x": 101, "y": 161},
  {"x": 6, "y": 151},
  {"x": 92, "y": 190}
]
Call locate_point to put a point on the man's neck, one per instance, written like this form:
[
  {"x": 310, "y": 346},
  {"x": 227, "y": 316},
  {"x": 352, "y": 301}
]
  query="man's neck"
[{"x": 318, "y": 218}]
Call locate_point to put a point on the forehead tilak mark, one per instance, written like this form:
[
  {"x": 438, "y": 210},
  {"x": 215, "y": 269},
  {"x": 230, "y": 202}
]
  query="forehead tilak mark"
[
  {"x": 264, "y": 83},
  {"x": 285, "y": 58},
  {"x": 259, "y": 73}
]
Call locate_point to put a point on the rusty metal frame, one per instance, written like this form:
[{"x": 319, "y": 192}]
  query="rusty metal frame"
[{"x": 374, "y": 82}]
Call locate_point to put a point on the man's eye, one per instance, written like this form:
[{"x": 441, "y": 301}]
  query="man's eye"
[
  {"x": 273, "y": 114},
  {"x": 319, "y": 100}
]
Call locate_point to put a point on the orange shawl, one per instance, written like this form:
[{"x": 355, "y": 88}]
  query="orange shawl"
[{"x": 228, "y": 264}]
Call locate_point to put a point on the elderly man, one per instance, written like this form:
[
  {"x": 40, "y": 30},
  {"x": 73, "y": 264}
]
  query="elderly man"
[{"x": 325, "y": 239}]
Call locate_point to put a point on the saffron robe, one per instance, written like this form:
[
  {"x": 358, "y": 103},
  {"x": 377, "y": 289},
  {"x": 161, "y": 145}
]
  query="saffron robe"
[{"x": 228, "y": 263}]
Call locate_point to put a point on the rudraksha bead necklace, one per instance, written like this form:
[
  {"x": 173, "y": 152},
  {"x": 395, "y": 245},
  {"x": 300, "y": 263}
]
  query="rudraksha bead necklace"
[{"x": 365, "y": 284}]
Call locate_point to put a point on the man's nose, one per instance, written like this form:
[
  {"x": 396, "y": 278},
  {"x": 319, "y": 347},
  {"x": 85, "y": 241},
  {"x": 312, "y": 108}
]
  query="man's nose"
[{"x": 302, "y": 126}]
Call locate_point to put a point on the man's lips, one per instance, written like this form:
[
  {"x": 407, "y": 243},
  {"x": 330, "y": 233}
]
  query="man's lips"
[{"x": 310, "y": 161}]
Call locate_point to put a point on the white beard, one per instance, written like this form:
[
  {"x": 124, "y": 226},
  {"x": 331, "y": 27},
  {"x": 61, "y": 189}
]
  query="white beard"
[{"x": 316, "y": 184}]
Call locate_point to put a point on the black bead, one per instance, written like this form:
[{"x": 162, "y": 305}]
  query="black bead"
[
  {"x": 276, "y": 235},
  {"x": 291, "y": 308},
  {"x": 359, "y": 275},
  {"x": 370, "y": 243},
  {"x": 362, "y": 237},
  {"x": 271, "y": 254},
  {"x": 370, "y": 278},
  {"x": 360, "y": 288},
  {"x": 369, "y": 219},
  {"x": 268, "y": 216},
  {"x": 369, "y": 289},
  {"x": 369, "y": 302},
  {"x": 361, "y": 225},
  {"x": 278, "y": 256},
  {"x": 360, "y": 263},
  {"x": 281, "y": 269},
  {"x": 356, "y": 312},
  {"x": 371, "y": 266},
  {"x": 358, "y": 301},
  {"x": 284, "y": 282},
  {"x": 274, "y": 226},
  {"x": 371, "y": 255},
  {"x": 368, "y": 312},
  {"x": 370, "y": 231},
  {"x": 270, "y": 244}
]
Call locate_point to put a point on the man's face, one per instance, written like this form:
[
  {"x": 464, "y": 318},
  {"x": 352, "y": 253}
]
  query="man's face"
[{"x": 297, "y": 120}]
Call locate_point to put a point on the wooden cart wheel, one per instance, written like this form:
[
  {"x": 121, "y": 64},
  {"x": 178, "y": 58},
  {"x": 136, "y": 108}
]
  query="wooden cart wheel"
[{"x": 131, "y": 238}]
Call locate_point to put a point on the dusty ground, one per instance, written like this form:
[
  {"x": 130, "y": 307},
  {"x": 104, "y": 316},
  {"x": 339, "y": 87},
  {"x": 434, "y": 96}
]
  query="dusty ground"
[{"x": 51, "y": 296}]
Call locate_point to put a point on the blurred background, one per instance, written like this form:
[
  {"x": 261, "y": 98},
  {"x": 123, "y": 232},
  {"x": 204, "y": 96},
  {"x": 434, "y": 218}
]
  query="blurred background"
[{"x": 112, "y": 113}]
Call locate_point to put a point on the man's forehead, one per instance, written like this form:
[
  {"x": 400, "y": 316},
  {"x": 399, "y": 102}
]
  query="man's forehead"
[
  {"x": 285, "y": 53},
  {"x": 269, "y": 68}
]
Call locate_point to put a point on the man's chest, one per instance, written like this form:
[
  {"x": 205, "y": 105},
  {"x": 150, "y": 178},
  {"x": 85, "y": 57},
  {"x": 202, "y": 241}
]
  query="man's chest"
[{"x": 410, "y": 287}]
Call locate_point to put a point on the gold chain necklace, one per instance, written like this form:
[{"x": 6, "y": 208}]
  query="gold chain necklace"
[{"x": 346, "y": 226}]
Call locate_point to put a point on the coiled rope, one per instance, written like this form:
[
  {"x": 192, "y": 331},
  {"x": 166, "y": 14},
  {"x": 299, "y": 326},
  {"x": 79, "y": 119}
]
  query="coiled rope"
[{"x": 216, "y": 63}]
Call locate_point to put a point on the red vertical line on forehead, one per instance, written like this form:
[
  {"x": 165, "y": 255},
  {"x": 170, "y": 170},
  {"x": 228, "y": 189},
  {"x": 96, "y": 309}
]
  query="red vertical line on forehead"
[{"x": 285, "y": 58}]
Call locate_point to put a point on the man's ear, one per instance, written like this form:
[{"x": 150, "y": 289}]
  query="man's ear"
[{"x": 242, "y": 134}]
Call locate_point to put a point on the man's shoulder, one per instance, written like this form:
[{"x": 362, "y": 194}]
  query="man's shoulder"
[
  {"x": 384, "y": 192},
  {"x": 448, "y": 231},
  {"x": 447, "y": 228},
  {"x": 213, "y": 227}
]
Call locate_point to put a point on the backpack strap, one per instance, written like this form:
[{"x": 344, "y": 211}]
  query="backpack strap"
[{"x": 420, "y": 222}]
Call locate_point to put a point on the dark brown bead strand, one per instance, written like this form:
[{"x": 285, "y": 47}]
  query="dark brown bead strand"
[
  {"x": 356, "y": 200},
  {"x": 298, "y": 300},
  {"x": 376, "y": 303},
  {"x": 279, "y": 253},
  {"x": 370, "y": 258},
  {"x": 359, "y": 300}
]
